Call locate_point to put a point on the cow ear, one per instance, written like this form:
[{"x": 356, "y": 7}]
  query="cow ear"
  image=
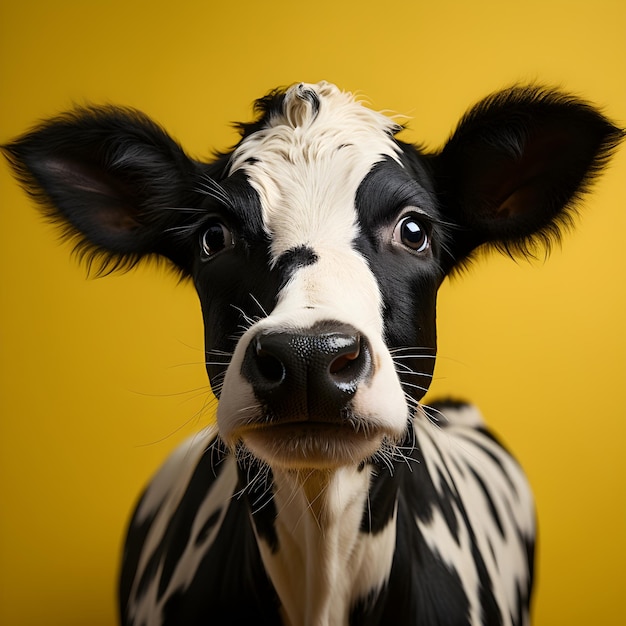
[
  {"x": 516, "y": 165},
  {"x": 112, "y": 178}
]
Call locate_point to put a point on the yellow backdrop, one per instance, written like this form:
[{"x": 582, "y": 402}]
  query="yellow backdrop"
[{"x": 101, "y": 378}]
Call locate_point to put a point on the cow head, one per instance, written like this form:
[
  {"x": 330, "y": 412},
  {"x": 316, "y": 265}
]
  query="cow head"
[{"x": 318, "y": 244}]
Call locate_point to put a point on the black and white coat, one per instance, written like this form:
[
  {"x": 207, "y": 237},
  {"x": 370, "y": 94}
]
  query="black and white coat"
[{"x": 326, "y": 494}]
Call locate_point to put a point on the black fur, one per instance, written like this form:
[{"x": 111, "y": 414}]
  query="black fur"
[{"x": 293, "y": 259}]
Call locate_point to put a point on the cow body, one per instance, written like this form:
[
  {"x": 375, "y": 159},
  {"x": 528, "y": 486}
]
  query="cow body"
[
  {"x": 328, "y": 494},
  {"x": 442, "y": 533}
]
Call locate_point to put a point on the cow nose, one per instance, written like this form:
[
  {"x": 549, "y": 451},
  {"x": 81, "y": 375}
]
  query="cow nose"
[{"x": 308, "y": 374}]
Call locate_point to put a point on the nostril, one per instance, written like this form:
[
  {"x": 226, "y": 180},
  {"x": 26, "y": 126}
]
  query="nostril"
[
  {"x": 269, "y": 366},
  {"x": 344, "y": 362},
  {"x": 352, "y": 364},
  {"x": 269, "y": 363}
]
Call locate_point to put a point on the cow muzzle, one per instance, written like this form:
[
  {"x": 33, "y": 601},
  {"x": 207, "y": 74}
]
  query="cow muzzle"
[{"x": 308, "y": 375}]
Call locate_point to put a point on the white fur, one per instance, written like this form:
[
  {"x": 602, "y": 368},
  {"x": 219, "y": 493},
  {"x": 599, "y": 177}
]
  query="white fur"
[
  {"x": 324, "y": 563},
  {"x": 307, "y": 168}
]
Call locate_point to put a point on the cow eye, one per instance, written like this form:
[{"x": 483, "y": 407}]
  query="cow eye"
[
  {"x": 412, "y": 233},
  {"x": 215, "y": 238}
]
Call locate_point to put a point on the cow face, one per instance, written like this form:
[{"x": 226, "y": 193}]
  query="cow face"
[{"x": 324, "y": 247}]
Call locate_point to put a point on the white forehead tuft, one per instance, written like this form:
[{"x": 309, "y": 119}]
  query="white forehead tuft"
[
  {"x": 317, "y": 118},
  {"x": 308, "y": 160}
]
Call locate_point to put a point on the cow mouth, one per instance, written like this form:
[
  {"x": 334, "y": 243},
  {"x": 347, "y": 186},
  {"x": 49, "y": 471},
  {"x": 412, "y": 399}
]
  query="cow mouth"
[{"x": 312, "y": 444}]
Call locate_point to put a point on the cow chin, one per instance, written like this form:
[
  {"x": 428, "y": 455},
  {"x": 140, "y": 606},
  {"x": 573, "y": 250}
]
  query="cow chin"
[{"x": 312, "y": 445}]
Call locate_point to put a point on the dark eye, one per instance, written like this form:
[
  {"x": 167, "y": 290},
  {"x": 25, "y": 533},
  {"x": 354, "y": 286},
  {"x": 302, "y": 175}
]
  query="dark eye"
[
  {"x": 215, "y": 238},
  {"x": 411, "y": 232}
]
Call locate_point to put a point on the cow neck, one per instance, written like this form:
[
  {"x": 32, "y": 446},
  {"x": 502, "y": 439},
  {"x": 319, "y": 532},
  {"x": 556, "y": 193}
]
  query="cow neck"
[{"x": 324, "y": 561}]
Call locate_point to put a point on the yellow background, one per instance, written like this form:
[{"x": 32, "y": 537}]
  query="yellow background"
[{"x": 101, "y": 378}]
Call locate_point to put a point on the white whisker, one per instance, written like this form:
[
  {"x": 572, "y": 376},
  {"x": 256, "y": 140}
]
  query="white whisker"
[
  {"x": 413, "y": 386},
  {"x": 265, "y": 314}
]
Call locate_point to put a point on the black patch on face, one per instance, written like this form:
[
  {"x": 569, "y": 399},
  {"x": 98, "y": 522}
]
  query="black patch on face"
[
  {"x": 237, "y": 286},
  {"x": 387, "y": 189},
  {"x": 408, "y": 282},
  {"x": 293, "y": 259}
]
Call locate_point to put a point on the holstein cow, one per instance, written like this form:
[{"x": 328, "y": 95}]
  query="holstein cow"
[{"x": 326, "y": 494}]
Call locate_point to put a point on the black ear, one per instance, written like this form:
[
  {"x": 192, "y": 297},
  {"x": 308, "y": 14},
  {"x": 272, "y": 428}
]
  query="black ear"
[
  {"x": 515, "y": 166},
  {"x": 112, "y": 178}
]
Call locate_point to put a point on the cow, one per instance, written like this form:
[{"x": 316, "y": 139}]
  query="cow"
[{"x": 327, "y": 493}]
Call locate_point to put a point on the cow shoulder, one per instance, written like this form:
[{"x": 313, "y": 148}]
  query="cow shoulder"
[{"x": 191, "y": 552}]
